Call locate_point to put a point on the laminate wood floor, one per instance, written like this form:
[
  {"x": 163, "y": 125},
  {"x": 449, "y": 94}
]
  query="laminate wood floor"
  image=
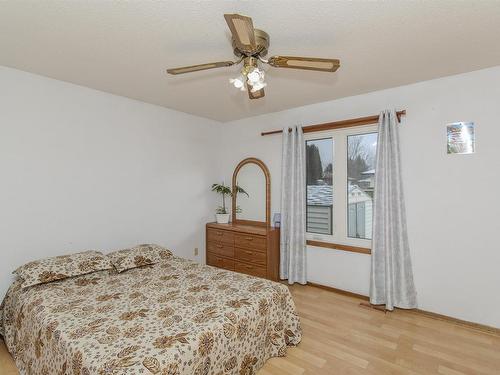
[{"x": 340, "y": 337}]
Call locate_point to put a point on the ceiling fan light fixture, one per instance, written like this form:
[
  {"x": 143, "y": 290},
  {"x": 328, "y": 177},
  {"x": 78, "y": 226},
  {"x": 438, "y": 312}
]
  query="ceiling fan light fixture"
[{"x": 255, "y": 80}]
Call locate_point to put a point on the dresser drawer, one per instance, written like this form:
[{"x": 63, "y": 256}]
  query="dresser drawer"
[
  {"x": 251, "y": 256},
  {"x": 250, "y": 241},
  {"x": 220, "y": 235},
  {"x": 221, "y": 248},
  {"x": 250, "y": 269},
  {"x": 216, "y": 261}
]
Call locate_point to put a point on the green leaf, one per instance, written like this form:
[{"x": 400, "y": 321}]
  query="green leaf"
[{"x": 240, "y": 190}]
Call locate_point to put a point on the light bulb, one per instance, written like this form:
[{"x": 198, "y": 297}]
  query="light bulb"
[
  {"x": 238, "y": 82},
  {"x": 254, "y": 76}
]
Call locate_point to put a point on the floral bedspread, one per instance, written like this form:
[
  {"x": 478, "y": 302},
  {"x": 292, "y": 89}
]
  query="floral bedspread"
[{"x": 172, "y": 318}]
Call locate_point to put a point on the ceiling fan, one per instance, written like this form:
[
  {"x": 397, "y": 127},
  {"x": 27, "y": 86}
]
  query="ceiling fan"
[{"x": 250, "y": 46}]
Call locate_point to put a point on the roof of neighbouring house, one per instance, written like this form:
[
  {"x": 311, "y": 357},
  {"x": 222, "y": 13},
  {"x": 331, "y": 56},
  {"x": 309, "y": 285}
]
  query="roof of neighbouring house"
[
  {"x": 370, "y": 171},
  {"x": 320, "y": 195}
]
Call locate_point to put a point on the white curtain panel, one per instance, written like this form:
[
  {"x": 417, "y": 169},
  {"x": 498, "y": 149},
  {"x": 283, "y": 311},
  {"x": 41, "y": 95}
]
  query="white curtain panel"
[
  {"x": 293, "y": 266},
  {"x": 391, "y": 270}
]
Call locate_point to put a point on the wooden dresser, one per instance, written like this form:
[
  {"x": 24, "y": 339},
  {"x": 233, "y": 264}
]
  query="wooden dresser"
[{"x": 249, "y": 249}]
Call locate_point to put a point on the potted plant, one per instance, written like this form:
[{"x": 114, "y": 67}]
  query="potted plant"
[{"x": 222, "y": 214}]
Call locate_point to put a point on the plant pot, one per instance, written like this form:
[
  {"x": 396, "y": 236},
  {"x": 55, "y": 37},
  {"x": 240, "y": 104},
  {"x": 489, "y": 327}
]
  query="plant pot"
[{"x": 222, "y": 218}]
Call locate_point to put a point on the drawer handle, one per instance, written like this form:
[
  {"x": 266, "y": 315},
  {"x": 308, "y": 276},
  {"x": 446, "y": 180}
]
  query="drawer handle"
[
  {"x": 220, "y": 246},
  {"x": 249, "y": 252},
  {"x": 249, "y": 267},
  {"x": 219, "y": 233},
  {"x": 249, "y": 238}
]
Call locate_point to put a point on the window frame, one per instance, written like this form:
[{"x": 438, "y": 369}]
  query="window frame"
[{"x": 340, "y": 195}]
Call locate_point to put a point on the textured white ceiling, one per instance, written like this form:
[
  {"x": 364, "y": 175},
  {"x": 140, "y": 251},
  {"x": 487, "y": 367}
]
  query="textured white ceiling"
[{"x": 124, "y": 47}]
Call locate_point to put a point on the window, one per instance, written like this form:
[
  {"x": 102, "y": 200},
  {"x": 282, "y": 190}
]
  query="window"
[
  {"x": 319, "y": 177},
  {"x": 361, "y": 149},
  {"x": 340, "y": 174}
]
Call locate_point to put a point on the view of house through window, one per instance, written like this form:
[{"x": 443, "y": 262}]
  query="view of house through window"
[
  {"x": 319, "y": 171},
  {"x": 361, "y": 151}
]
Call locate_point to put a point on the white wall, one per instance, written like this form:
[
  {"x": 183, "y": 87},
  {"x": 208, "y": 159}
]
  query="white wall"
[
  {"x": 82, "y": 169},
  {"x": 452, "y": 204}
]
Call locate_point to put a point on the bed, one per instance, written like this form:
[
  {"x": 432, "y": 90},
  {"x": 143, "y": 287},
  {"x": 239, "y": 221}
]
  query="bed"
[{"x": 171, "y": 318}]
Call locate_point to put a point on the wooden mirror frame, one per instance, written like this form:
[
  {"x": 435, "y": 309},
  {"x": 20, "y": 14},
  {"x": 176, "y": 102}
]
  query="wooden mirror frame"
[{"x": 262, "y": 166}]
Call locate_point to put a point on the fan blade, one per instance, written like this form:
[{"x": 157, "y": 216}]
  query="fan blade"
[
  {"x": 195, "y": 68},
  {"x": 255, "y": 95},
  {"x": 308, "y": 63},
  {"x": 242, "y": 30}
]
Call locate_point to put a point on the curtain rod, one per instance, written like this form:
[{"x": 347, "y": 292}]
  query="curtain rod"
[{"x": 339, "y": 124}]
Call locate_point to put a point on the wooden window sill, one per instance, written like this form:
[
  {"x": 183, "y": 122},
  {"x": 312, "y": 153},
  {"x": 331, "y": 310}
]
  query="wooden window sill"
[{"x": 336, "y": 246}]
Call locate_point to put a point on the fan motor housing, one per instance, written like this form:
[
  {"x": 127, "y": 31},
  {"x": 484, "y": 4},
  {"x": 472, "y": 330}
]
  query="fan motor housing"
[{"x": 262, "y": 41}]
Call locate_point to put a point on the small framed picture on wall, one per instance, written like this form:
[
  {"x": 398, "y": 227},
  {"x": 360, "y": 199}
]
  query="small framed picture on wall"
[{"x": 461, "y": 138}]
